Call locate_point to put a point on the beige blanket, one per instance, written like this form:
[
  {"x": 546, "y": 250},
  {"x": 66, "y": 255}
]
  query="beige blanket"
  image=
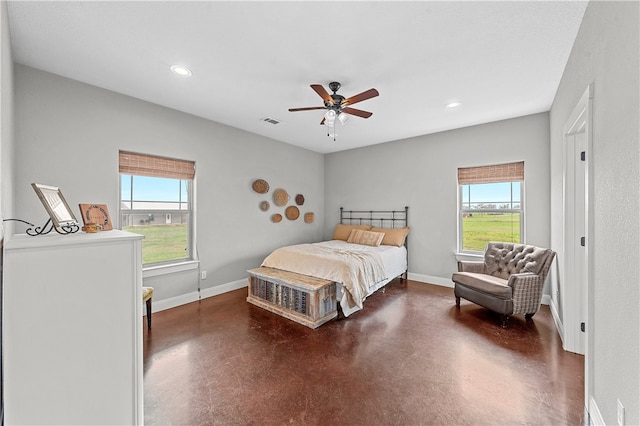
[{"x": 356, "y": 270}]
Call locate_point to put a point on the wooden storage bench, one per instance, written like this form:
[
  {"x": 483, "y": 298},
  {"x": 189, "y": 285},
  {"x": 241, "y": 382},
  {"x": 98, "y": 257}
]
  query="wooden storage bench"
[{"x": 306, "y": 300}]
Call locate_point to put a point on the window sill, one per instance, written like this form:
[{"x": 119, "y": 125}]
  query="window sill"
[
  {"x": 472, "y": 257},
  {"x": 154, "y": 271}
]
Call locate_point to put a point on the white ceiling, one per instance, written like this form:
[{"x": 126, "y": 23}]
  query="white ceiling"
[{"x": 252, "y": 60}]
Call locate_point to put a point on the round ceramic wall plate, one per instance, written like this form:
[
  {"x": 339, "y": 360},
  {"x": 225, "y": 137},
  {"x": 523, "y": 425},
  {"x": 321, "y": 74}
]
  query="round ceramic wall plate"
[
  {"x": 264, "y": 206},
  {"x": 292, "y": 213},
  {"x": 276, "y": 218},
  {"x": 280, "y": 197},
  {"x": 299, "y": 199},
  {"x": 309, "y": 217},
  {"x": 260, "y": 186}
]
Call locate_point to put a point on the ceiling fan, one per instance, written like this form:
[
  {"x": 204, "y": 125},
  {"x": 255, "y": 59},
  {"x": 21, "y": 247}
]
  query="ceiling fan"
[{"x": 337, "y": 106}]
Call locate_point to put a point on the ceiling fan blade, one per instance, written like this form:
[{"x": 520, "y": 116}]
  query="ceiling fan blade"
[
  {"x": 368, "y": 94},
  {"x": 322, "y": 122},
  {"x": 322, "y": 92},
  {"x": 304, "y": 109},
  {"x": 358, "y": 112}
]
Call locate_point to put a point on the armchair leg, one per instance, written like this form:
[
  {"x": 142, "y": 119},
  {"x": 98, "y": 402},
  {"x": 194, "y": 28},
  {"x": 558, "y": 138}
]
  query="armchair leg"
[
  {"x": 528, "y": 317},
  {"x": 458, "y": 301},
  {"x": 505, "y": 319},
  {"x": 149, "y": 314}
]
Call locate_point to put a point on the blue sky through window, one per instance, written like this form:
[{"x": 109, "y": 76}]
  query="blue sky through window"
[
  {"x": 153, "y": 189},
  {"x": 497, "y": 193}
]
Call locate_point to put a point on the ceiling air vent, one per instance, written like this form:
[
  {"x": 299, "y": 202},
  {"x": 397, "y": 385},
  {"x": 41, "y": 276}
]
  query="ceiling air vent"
[{"x": 271, "y": 120}]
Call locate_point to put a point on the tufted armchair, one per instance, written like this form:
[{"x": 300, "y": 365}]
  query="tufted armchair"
[{"x": 509, "y": 280}]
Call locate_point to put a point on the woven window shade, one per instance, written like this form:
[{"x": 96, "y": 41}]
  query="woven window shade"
[
  {"x": 490, "y": 174},
  {"x": 132, "y": 163}
]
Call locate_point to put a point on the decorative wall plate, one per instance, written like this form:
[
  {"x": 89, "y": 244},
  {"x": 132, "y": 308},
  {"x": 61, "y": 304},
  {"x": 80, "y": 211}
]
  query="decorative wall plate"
[
  {"x": 264, "y": 206},
  {"x": 309, "y": 217},
  {"x": 260, "y": 186},
  {"x": 292, "y": 213},
  {"x": 276, "y": 217},
  {"x": 280, "y": 197},
  {"x": 299, "y": 199}
]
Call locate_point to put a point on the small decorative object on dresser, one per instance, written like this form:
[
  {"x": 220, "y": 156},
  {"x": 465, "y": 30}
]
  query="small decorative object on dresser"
[
  {"x": 97, "y": 214},
  {"x": 56, "y": 206}
]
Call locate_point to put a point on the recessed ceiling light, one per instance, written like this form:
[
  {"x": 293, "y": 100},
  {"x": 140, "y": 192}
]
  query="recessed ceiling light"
[
  {"x": 453, "y": 104},
  {"x": 181, "y": 70}
]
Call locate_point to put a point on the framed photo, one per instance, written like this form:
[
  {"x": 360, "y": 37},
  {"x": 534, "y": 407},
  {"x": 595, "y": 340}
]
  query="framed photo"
[
  {"x": 98, "y": 214},
  {"x": 55, "y": 204}
]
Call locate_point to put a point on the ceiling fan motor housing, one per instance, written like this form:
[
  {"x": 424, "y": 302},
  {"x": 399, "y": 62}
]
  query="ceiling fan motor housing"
[{"x": 334, "y": 86}]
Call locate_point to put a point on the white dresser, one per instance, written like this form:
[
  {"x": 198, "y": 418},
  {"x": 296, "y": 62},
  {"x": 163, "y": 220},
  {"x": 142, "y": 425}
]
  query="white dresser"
[{"x": 72, "y": 329}]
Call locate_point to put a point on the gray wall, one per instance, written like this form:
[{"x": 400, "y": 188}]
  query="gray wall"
[
  {"x": 68, "y": 135},
  {"x": 606, "y": 53},
  {"x": 421, "y": 173},
  {"x": 6, "y": 124}
]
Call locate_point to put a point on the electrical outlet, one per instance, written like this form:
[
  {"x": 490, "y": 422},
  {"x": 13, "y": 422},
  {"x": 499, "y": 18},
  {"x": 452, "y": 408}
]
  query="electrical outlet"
[
  {"x": 203, "y": 275},
  {"x": 620, "y": 414}
]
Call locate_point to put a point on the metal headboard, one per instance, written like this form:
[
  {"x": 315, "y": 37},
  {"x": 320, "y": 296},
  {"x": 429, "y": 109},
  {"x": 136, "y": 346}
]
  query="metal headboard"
[{"x": 377, "y": 218}]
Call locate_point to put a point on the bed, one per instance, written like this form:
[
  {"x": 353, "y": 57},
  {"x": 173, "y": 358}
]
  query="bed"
[{"x": 368, "y": 250}]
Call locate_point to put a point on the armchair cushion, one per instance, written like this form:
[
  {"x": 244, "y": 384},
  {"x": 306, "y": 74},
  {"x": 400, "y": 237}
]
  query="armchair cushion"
[{"x": 494, "y": 286}]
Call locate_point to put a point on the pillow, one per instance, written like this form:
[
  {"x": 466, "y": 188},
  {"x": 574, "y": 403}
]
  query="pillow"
[
  {"x": 342, "y": 231},
  {"x": 366, "y": 238},
  {"x": 393, "y": 236}
]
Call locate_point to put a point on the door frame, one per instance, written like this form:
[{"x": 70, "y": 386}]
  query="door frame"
[{"x": 580, "y": 120}]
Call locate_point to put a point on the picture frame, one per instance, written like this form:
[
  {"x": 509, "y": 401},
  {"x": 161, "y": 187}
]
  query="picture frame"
[
  {"x": 97, "y": 214},
  {"x": 55, "y": 205}
]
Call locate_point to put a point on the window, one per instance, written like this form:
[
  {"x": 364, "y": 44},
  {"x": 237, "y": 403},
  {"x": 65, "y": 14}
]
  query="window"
[
  {"x": 156, "y": 201},
  {"x": 491, "y": 207}
]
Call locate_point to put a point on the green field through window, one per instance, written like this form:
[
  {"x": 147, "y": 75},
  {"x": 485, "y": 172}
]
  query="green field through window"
[
  {"x": 480, "y": 228},
  {"x": 161, "y": 242}
]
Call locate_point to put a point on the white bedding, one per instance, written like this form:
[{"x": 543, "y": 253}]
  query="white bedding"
[{"x": 351, "y": 290}]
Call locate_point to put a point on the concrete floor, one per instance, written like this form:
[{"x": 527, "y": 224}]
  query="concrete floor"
[{"x": 409, "y": 358}]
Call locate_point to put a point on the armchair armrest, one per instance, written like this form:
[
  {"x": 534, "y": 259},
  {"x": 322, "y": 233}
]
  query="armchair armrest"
[
  {"x": 469, "y": 266},
  {"x": 526, "y": 292}
]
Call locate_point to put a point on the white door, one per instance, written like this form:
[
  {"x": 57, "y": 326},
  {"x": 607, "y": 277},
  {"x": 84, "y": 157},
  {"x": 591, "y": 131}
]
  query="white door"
[
  {"x": 574, "y": 294},
  {"x": 579, "y": 242}
]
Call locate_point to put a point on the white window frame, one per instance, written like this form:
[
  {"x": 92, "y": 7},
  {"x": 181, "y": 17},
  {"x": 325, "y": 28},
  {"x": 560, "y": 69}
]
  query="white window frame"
[
  {"x": 149, "y": 165},
  {"x": 462, "y": 210},
  {"x": 161, "y": 213}
]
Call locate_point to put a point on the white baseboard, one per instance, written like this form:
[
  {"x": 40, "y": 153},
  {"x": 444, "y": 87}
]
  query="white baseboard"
[
  {"x": 183, "y": 299},
  {"x": 557, "y": 321},
  {"x": 595, "y": 418},
  {"x": 172, "y": 302},
  {"x": 224, "y": 288},
  {"x": 430, "y": 279}
]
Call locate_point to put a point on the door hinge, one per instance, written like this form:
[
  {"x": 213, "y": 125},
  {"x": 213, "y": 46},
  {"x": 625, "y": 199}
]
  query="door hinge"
[
  {"x": 583, "y": 156},
  {"x": 582, "y": 327},
  {"x": 583, "y": 241}
]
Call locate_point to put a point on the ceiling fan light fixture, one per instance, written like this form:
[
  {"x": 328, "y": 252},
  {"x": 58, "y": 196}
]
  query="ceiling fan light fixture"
[
  {"x": 330, "y": 117},
  {"x": 343, "y": 117},
  {"x": 181, "y": 70},
  {"x": 452, "y": 104}
]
